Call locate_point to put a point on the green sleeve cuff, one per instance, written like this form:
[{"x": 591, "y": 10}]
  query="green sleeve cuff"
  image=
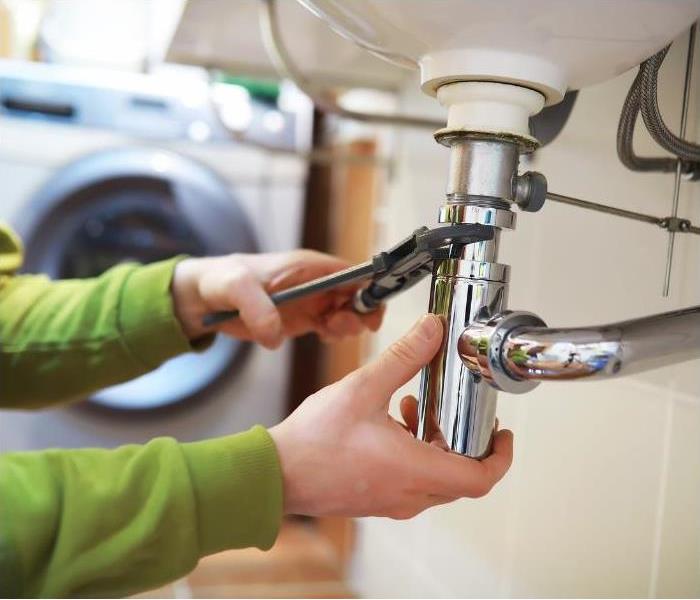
[
  {"x": 10, "y": 250},
  {"x": 237, "y": 483},
  {"x": 147, "y": 320}
]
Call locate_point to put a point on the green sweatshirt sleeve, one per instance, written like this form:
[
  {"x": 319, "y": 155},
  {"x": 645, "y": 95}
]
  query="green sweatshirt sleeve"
[
  {"x": 106, "y": 523},
  {"x": 61, "y": 340},
  {"x": 113, "y": 522}
]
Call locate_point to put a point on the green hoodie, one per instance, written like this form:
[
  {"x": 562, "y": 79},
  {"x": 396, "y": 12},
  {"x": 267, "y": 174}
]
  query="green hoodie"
[{"x": 94, "y": 522}]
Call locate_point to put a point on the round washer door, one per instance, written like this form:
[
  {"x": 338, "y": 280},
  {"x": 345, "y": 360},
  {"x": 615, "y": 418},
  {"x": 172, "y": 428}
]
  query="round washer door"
[{"x": 144, "y": 205}]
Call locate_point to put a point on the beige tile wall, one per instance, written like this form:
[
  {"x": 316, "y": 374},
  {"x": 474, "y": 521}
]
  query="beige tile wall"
[{"x": 604, "y": 495}]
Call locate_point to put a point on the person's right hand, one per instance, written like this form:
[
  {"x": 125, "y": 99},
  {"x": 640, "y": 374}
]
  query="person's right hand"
[
  {"x": 244, "y": 282},
  {"x": 342, "y": 454}
]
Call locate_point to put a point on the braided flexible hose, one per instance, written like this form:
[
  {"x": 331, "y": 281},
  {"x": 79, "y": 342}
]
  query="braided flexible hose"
[
  {"x": 649, "y": 106},
  {"x": 625, "y": 136}
]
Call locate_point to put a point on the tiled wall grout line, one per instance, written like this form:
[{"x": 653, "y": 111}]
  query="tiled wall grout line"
[
  {"x": 640, "y": 384},
  {"x": 417, "y": 571},
  {"x": 669, "y": 385},
  {"x": 661, "y": 499},
  {"x": 686, "y": 398}
]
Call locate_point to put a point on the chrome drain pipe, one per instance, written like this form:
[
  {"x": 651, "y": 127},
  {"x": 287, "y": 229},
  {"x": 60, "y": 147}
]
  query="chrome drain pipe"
[
  {"x": 457, "y": 409},
  {"x": 515, "y": 351}
]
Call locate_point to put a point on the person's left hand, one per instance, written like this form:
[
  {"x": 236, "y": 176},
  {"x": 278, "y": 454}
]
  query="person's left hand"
[
  {"x": 342, "y": 454},
  {"x": 244, "y": 282}
]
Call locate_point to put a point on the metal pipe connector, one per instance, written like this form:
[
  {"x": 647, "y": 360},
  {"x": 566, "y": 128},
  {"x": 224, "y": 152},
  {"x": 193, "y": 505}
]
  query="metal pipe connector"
[
  {"x": 515, "y": 351},
  {"x": 457, "y": 410},
  {"x": 481, "y": 170}
]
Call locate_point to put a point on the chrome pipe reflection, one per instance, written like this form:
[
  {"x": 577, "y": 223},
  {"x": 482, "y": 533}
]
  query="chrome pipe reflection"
[
  {"x": 515, "y": 350},
  {"x": 457, "y": 409}
]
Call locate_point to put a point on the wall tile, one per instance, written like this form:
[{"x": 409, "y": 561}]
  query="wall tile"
[
  {"x": 678, "y": 574},
  {"x": 587, "y": 499},
  {"x": 465, "y": 544},
  {"x": 383, "y": 567}
]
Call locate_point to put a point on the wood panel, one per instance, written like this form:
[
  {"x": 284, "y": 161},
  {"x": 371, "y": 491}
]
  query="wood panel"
[
  {"x": 355, "y": 187},
  {"x": 340, "y": 203}
]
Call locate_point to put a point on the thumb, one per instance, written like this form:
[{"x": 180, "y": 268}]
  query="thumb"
[{"x": 402, "y": 360}]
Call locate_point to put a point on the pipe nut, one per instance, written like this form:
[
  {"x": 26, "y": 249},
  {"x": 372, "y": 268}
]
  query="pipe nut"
[{"x": 481, "y": 343}]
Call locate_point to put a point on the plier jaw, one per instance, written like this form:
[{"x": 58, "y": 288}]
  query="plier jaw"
[{"x": 409, "y": 261}]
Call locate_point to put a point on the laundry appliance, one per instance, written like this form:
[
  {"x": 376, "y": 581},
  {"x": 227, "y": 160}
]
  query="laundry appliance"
[{"x": 104, "y": 167}]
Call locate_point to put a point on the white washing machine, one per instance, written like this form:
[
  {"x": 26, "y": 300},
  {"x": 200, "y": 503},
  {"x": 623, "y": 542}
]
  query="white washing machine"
[{"x": 98, "y": 169}]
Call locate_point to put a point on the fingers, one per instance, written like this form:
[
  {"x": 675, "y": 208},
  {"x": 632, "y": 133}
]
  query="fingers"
[
  {"x": 238, "y": 288},
  {"x": 483, "y": 474},
  {"x": 404, "y": 358},
  {"x": 346, "y": 322},
  {"x": 303, "y": 265},
  {"x": 433, "y": 434},
  {"x": 328, "y": 314},
  {"x": 343, "y": 323},
  {"x": 448, "y": 474},
  {"x": 240, "y": 282},
  {"x": 497, "y": 464},
  {"x": 373, "y": 320},
  {"x": 409, "y": 412}
]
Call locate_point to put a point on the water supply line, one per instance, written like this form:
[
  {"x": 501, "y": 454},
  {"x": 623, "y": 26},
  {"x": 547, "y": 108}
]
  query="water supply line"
[
  {"x": 625, "y": 136},
  {"x": 643, "y": 97},
  {"x": 649, "y": 105}
]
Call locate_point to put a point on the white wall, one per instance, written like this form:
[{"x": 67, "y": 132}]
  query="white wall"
[{"x": 603, "y": 498}]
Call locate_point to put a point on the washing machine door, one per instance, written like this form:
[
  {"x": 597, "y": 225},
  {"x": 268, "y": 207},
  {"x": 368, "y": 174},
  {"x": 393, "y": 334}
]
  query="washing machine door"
[{"x": 144, "y": 205}]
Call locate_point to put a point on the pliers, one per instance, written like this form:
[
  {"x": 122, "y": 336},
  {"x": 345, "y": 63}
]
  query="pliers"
[{"x": 390, "y": 272}]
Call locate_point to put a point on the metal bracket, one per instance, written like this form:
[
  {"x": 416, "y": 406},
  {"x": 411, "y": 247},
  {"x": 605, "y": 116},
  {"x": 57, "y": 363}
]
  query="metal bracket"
[
  {"x": 675, "y": 224},
  {"x": 684, "y": 225}
]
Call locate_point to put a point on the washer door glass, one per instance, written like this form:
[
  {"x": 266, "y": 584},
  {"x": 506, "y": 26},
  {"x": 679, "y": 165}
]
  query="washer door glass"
[{"x": 131, "y": 218}]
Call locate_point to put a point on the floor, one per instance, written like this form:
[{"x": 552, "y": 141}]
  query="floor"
[{"x": 302, "y": 564}]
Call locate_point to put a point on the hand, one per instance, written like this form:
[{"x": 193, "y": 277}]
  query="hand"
[
  {"x": 342, "y": 454},
  {"x": 244, "y": 282}
]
